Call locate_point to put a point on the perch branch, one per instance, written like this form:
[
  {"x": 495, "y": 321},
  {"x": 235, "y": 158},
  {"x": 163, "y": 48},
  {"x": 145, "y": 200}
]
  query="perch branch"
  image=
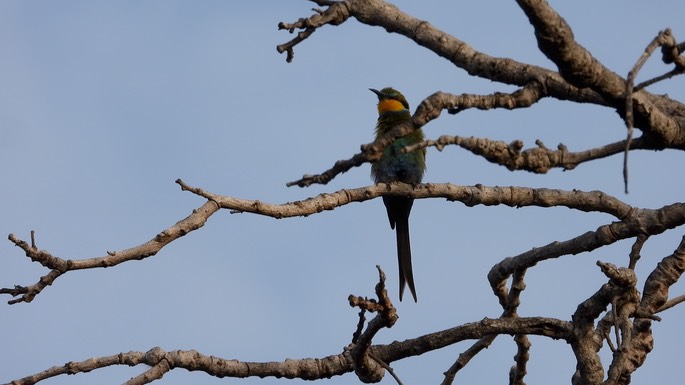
[
  {"x": 475, "y": 195},
  {"x": 469, "y": 195},
  {"x": 428, "y": 110}
]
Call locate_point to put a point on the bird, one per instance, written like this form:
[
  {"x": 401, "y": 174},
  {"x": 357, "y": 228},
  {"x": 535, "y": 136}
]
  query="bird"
[{"x": 395, "y": 165}]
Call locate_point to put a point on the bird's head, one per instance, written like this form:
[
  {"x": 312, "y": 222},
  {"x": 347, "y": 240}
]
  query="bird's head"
[{"x": 389, "y": 99}]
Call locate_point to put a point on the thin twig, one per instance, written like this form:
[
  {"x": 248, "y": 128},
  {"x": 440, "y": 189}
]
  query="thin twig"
[
  {"x": 671, "y": 303},
  {"x": 636, "y": 249},
  {"x": 661, "y": 39}
]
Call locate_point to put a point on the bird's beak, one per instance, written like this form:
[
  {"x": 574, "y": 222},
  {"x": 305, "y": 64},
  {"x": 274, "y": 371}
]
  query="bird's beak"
[{"x": 378, "y": 93}]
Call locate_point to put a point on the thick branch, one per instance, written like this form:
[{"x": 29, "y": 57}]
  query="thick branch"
[
  {"x": 653, "y": 114},
  {"x": 575, "y": 63},
  {"x": 505, "y": 70},
  {"x": 308, "y": 368}
]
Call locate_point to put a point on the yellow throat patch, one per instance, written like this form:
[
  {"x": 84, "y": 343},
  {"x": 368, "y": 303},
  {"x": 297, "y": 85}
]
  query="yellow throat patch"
[{"x": 386, "y": 105}]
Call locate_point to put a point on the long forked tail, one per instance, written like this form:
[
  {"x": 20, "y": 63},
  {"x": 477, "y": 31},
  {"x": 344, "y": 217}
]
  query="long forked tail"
[
  {"x": 404, "y": 256},
  {"x": 398, "y": 213}
]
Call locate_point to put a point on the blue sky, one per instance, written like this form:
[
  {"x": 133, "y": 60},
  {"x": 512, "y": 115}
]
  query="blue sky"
[{"x": 104, "y": 104}]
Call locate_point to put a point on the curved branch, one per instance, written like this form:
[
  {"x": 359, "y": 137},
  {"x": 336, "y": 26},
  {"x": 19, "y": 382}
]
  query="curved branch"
[
  {"x": 541, "y": 326},
  {"x": 505, "y": 70},
  {"x": 339, "y": 167},
  {"x": 60, "y": 266},
  {"x": 161, "y": 361},
  {"x": 639, "y": 221}
]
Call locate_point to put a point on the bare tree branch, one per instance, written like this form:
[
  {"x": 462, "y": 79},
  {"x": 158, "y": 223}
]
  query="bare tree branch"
[
  {"x": 307, "y": 368},
  {"x": 662, "y": 39},
  {"x": 640, "y": 221},
  {"x": 367, "y": 366},
  {"x": 475, "y": 195},
  {"x": 538, "y": 160},
  {"x": 636, "y": 249},
  {"x": 580, "y": 68},
  {"x": 429, "y": 109},
  {"x": 581, "y": 78},
  {"x": 671, "y": 303},
  {"x": 334, "y": 15},
  {"x": 469, "y": 195},
  {"x": 584, "y": 79},
  {"x": 465, "y": 357},
  {"x": 655, "y": 296},
  {"x": 585, "y": 346},
  {"x": 510, "y": 306},
  {"x": 575, "y": 63},
  {"x": 60, "y": 266},
  {"x": 519, "y": 371}
]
